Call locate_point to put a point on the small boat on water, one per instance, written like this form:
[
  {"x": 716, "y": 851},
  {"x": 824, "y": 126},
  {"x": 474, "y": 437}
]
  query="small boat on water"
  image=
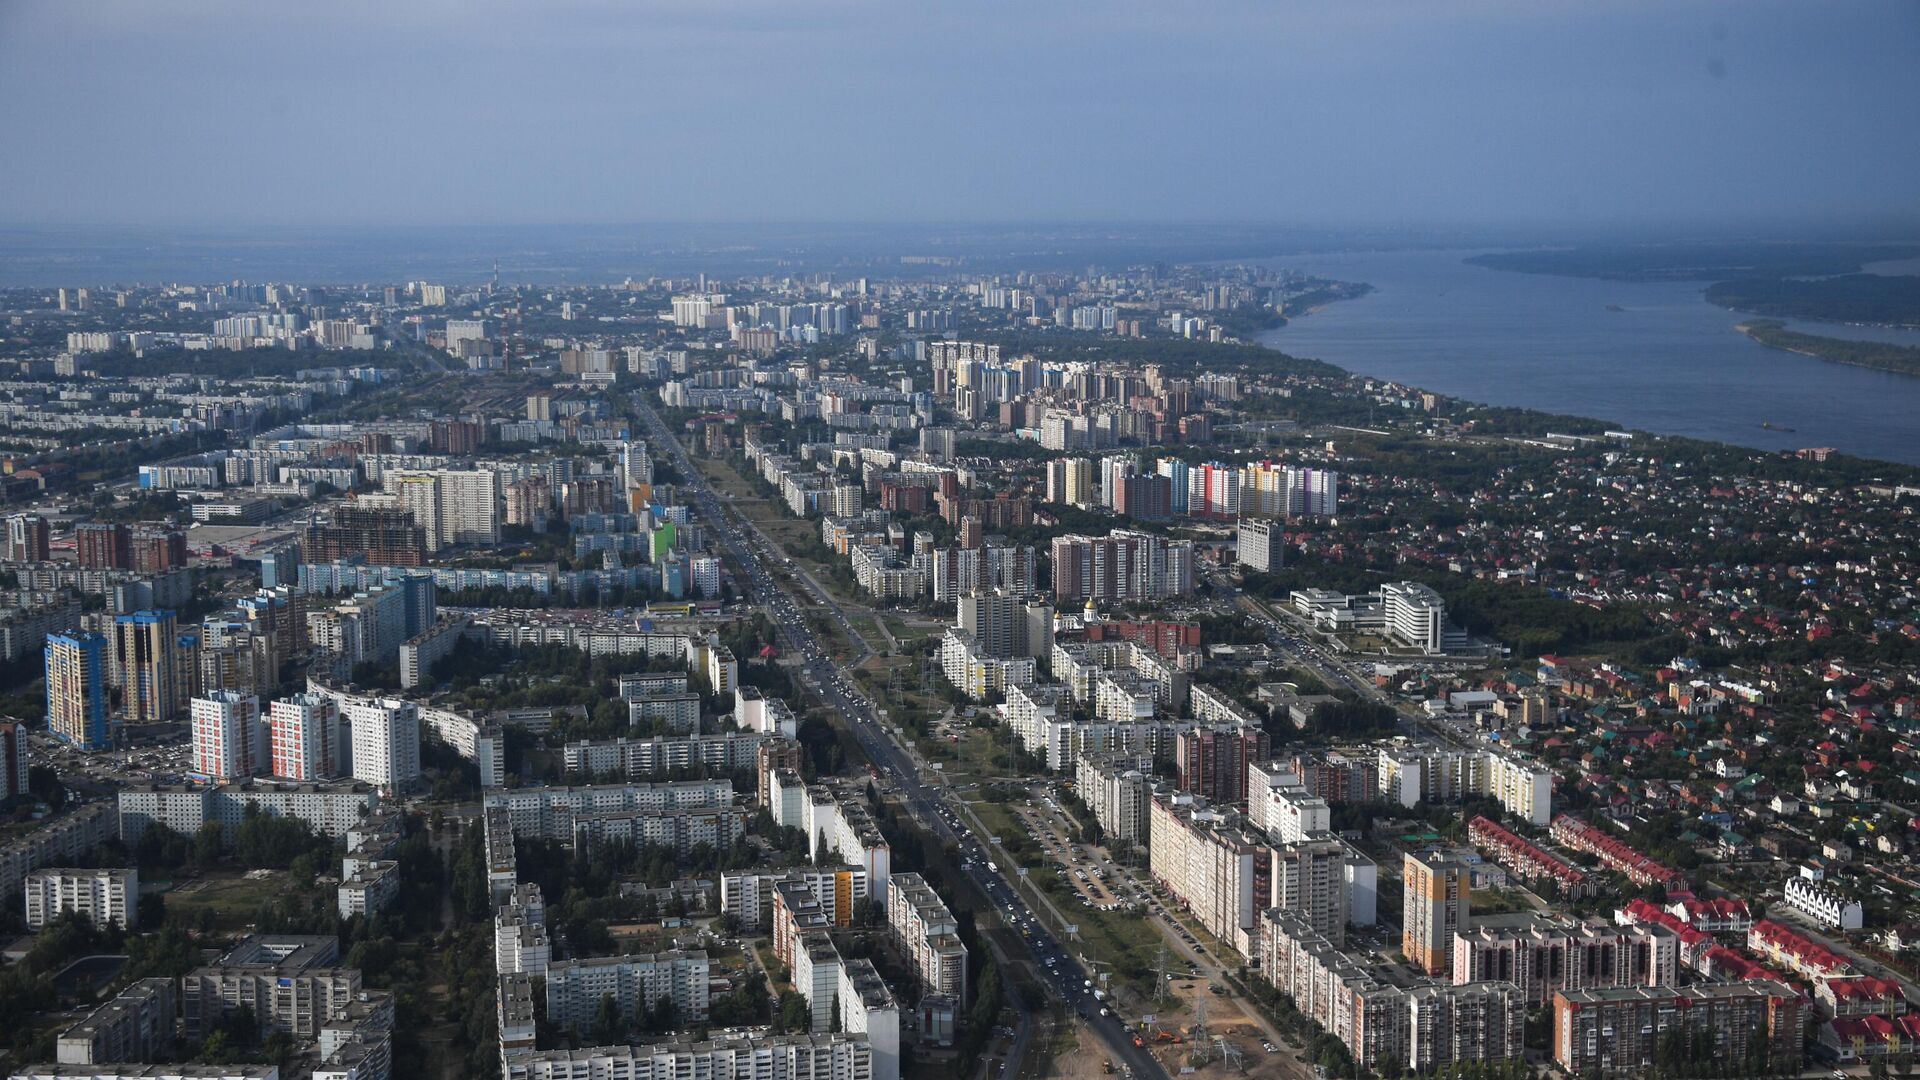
[
  {"x": 1615, "y": 308},
  {"x": 1771, "y": 426}
]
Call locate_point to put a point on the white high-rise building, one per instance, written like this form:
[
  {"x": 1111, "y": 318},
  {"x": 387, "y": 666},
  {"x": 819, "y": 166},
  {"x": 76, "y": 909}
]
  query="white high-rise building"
[
  {"x": 453, "y": 506},
  {"x": 305, "y": 736},
  {"x": 1260, "y": 545},
  {"x": 386, "y": 743},
  {"x": 705, "y": 572},
  {"x": 636, "y": 464},
  {"x": 228, "y": 740},
  {"x": 102, "y": 895}
]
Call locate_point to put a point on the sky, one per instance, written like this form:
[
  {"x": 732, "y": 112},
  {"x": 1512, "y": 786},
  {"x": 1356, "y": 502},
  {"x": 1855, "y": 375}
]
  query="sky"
[{"x": 1333, "y": 113}]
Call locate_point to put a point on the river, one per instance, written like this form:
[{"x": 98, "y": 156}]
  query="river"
[{"x": 1667, "y": 362}]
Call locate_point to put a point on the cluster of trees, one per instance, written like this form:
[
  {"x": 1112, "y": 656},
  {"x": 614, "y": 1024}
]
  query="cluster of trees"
[
  {"x": 653, "y": 1018},
  {"x": 1849, "y": 298},
  {"x": 1716, "y": 261}
]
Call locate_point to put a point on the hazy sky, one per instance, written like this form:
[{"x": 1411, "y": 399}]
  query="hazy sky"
[{"x": 1335, "y": 112}]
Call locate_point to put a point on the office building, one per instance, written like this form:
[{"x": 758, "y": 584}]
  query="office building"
[
  {"x": 76, "y": 670},
  {"x": 1434, "y": 908}
]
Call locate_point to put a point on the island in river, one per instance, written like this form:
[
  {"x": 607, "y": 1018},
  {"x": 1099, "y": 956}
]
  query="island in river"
[{"x": 1878, "y": 355}]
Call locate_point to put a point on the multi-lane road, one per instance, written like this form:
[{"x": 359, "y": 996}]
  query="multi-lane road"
[{"x": 1058, "y": 969}]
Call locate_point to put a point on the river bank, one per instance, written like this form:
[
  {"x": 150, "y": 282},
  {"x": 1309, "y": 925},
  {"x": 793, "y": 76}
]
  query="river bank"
[{"x": 1668, "y": 363}]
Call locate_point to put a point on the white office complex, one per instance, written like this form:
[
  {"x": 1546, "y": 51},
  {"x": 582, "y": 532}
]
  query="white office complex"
[
  {"x": 102, "y": 896},
  {"x": 229, "y": 741},
  {"x": 386, "y": 742},
  {"x": 1415, "y": 615}
]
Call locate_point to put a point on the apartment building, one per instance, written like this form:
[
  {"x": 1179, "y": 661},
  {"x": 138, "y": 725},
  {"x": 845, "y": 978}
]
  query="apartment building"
[
  {"x": 1117, "y": 788},
  {"x": 1421, "y": 1027},
  {"x": 1756, "y": 1024},
  {"x": 1547, "y": 959},
  {"x": 635, "y": 981},
  {"x": 102, "y": 896},
  {"x": 137, "y": 1024},
  {"x": 293, "y": 984},
  {"x": 1434, "y": 909},
  {"x": 928, "y": 935},
  {"x": 839, "y": 1056}
]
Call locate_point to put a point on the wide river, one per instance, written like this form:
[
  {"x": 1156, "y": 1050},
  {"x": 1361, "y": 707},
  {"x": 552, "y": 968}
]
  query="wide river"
[{"x": 1668, "y": 362}]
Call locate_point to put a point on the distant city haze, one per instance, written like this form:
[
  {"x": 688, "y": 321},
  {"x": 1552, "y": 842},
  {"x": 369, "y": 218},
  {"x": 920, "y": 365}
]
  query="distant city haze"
[{"x": 1685, "y": 117}]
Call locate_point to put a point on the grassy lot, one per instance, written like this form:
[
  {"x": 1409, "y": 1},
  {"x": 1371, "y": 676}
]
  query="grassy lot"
[{"x": 233, "y": 900}]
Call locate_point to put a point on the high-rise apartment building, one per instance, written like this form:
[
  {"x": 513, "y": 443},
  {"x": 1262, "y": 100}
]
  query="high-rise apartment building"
[
  {"x": 1261, "y": 545},
  {"x": 386, "y": 743},
  {"x": 453, "y": 506},
  {"x": 1121, "y": 566},
  {"x": 28, "y": 538},
  {"x": 1434, "y": 907},
  {"x": 146, "y": 647},
  {"x": 229, "y": 741},
  {"x": 103, "y": 546},
  {"x": 305, "y": 737},
  {"x": 1006, "y": 625},
  {"x": 1213, "y": 760},
  {"x": 385, "y": 536},
  {"x": 13, "y": 759},
  {"x": 77, "y": 689}
]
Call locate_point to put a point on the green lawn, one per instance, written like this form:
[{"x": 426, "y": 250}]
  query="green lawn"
[{"x": 234, "y": 901}]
